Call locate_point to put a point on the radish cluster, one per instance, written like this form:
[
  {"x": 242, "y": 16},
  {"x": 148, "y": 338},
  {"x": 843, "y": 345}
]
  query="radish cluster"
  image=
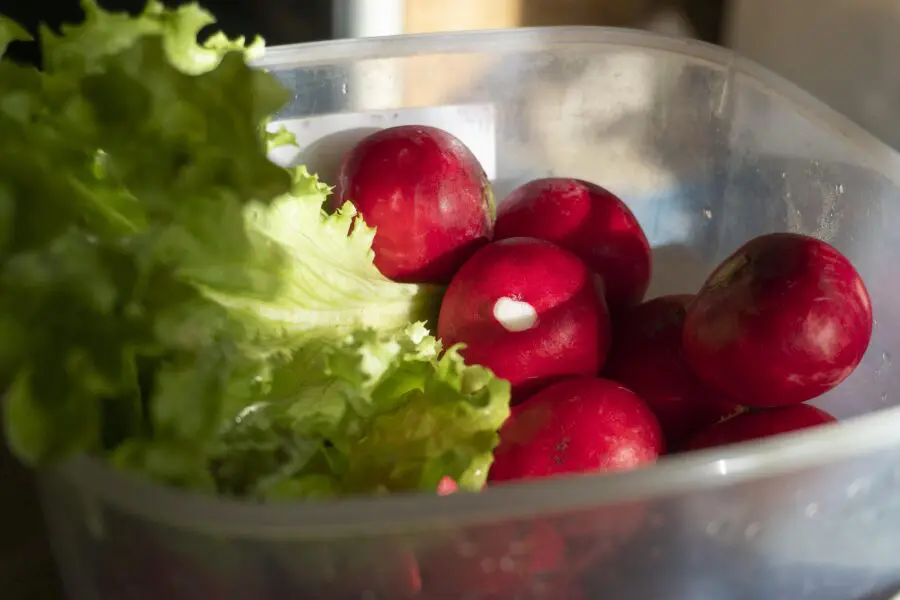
[{"x": 548, "y": 292}]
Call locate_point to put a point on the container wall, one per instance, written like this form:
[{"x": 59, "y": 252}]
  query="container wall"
[
  {"x": 707, "y": 157},
  {"x": 820, "y": 534},
  {"x": 705, "y": 154}
]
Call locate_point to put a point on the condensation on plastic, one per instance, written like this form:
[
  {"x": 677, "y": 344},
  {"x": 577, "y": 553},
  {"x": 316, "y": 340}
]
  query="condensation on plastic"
[{"x": 709, "y": 151}]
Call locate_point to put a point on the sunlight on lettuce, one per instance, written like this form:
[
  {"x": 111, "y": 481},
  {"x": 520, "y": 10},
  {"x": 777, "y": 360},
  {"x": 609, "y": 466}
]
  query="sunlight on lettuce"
[{"x": 174, "y": 301}]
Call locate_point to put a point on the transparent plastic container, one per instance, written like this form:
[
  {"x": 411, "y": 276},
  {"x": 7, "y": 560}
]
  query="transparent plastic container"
[{"x": 709, "y": 151}]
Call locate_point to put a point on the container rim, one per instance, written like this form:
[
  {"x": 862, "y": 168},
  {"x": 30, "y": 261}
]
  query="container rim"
[
  {"x": 871, "y": 151},
  {"x": 97, "y": 482}
]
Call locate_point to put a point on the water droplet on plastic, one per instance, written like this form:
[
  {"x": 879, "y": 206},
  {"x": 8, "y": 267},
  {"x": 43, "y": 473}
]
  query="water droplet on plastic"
[
  {"x": 343, "y": 88},
  {"x": 752, "y": 530},
  {"x": 93, "y": 518},
  {"x": 884, "y": 397},
  {"x": 707, "y": 212},
  {"x": 840, "y": 188},
  {"x": 858, "y": 487},
  {"x": 488, "y": 565},
  {"x": 812, "y": 509},
  {"x": 783, "y": 175},
  {"x": 869, "y": 516},
  {"x": 518, "y": 548},
  {"x": 713, "y": 528},
  {"x": 884, "y": 364}
]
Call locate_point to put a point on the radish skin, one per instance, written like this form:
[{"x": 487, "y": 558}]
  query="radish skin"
[
  {"x": 580, "y": 425},
  {"x": 783, "y": 320},
  {"x": 425, "y": 194},
  {"x": 590, "y": 222},
  {"x": 527, "y": 310}
]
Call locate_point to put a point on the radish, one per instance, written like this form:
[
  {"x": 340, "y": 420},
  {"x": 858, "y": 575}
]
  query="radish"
[
  {"x": 647, "y": 358},
  {"x": 447, "y": 486},
  {"x": 782, "y": 320},
  {"x": 427, "y": 197},
  {"x": 492, "y": 562},
  {"x": 579, "y": 425},
  {"x": 527, "y": 310},
  {"x": 590, "y": 222},
  {"x": 756, "y": 425}
]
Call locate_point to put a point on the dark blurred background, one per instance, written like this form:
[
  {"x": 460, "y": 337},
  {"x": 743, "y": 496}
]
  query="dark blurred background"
[
  {"x": 290, "y": 21},
  {"x": 281, "y": 21}
]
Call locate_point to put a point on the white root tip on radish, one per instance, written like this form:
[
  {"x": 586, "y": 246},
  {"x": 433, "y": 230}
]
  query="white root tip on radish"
[{"x": 514, "y": 315}]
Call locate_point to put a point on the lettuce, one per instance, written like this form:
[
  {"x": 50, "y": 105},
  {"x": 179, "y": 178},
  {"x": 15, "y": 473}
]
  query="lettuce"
[{"x": 173, "y": 301}]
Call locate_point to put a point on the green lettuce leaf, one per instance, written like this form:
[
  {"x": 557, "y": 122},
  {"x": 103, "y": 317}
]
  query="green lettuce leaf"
[
  {"x": 385, "y": 412},
  {"x": 10, "y": 31},
  {"x": 161, "y": 281},
  {"x": 84, "y": 46}
]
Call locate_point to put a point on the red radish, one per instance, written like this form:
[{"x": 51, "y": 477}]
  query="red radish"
[
  {"x": 756, "y": 425},
  {"x": 646, "y": 357},
  {"x": 427, "y": 196},
  {"x": 527, "y": 310},
  {"x": 447, "y": 486},
  {"x": 493, "y": 562},
  {"x": 782, "y": 320},
  {"x": 579, "y": 425},
  {"x": 589, "y": 221}
]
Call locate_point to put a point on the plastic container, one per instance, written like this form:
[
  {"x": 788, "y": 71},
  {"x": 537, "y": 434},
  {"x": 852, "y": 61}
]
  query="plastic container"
[
  {"x": 836, "y": 49},
  {"x": 709, "y": 150}
]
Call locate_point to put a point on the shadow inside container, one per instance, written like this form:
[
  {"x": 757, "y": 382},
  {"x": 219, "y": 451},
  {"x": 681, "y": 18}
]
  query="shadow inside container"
[
  {"x": 324, "y": 155},
  {"x": 677, "y": 269}
]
